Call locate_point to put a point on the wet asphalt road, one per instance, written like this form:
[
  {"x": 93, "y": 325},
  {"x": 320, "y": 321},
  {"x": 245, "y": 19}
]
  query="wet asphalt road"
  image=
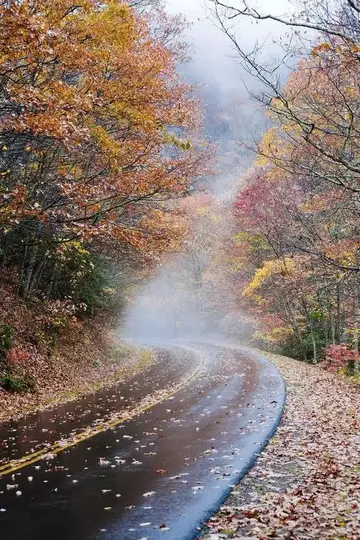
[{"x": 159, "y": 475}]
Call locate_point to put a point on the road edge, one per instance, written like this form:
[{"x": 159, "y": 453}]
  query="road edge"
[
  {"x": 59, "y": 446},
  {"x": 267, "y": 438}
]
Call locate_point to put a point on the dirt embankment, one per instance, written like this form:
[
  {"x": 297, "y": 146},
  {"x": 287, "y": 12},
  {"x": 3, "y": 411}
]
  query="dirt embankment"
[{"x": 48, "y": 357}]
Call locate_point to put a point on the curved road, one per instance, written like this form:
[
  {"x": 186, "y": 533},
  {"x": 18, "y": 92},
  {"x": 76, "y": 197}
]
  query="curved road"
[{"x": 158, "y": 475}]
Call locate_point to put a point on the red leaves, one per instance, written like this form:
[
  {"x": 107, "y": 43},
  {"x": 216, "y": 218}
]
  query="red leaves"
[
  {"x": 299, "y": 202},
  {"x": 250, "y": 513},
  {"x": 339, "y": 356},
  {"x": 17, "y": 355}
]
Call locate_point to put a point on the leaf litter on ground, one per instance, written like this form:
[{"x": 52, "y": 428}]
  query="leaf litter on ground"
[{"x": 306, "y": 484}]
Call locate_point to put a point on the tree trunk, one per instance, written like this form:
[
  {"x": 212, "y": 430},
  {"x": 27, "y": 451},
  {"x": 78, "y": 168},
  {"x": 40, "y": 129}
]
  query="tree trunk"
[
  {"x": 4, "y": 251},
  {"x": 339, "y": 330},
  {"x": 51, "y": 285},
  {"x": 28, "y": 276},
  {"x": 310, "y": 322},
  {"x": 313, "y": 338},
  {"x": 22, "y": 272},
  {"x": 37, "y": 273},
  {"x": 355, "y": 363},
  {"x": 332, "y": 326},
  {"x": 295, "y": 326},
  {"x": 28, "y": 268}
]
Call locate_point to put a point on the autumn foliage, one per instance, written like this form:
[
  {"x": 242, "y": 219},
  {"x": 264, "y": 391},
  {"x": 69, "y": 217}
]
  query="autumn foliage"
[
  {"x": 98, "y": 133},
  {"x": 296, "y": 218},
  {"x": 99, "y": 138}
]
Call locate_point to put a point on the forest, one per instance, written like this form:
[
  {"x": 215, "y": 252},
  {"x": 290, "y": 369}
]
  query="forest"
[
  {"x": 179, "y": 269},
  {"x": 292, "y": 251},
  {"x": 107, "y": 171},
  {"x": 99, "y": 138},
  {"x": 274, "y": 259}
]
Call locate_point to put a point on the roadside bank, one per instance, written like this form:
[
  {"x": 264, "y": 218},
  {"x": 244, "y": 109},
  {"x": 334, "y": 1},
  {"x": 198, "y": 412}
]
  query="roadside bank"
[{"x": 306, "y": 483}]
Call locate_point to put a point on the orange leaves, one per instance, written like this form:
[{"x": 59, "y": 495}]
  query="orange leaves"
[
  {"x": 93, "y": 101},
  {"x": 323, "y": 47},
  {"x": 302, "y": 200}
]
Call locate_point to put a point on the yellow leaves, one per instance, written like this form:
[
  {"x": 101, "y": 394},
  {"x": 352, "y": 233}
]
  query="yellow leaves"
[
  {"x": 254, "y": 240},
  {"x": 275, "y": 335},
  {"x": 345, "y": 252},
  {"x": 355, "y": 48},
  {"x": 105, "y": 141},
  {"x": 243, "y": 236},
  {"x": 202, "y": 210},
  {"x": 272, "y": 151},
  {"x": 267, "y": 148},
  {"x": 283, "y": 267},
  {"x": 172, "y": 139},
  {"x": 215, "y": 218},
  {"x": 111, "y": 26},
  {"x": 143, "y": 118},
  {"x": 68, "y": 248},
  {"x": 100, "y": 87},
  {"x": 62, "y": 170},
  {"x": 238, "y": 264},
  {"x": 323, "y": 47},
  {"x": 277, "y": 104},
  {"x": 261, "y": 161},
  {"x": 74, "y": 171},
  {"x": 317, "y": 203}
]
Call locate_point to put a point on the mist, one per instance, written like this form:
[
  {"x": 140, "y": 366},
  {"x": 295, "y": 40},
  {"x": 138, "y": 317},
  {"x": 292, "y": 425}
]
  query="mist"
[{"x": 182, "y": 300}]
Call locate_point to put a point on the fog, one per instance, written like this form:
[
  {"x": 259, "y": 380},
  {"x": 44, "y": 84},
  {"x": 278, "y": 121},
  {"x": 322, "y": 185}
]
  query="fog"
[
  {"x": 232, "y": 117},
  {"x": 179, "y": 301}
]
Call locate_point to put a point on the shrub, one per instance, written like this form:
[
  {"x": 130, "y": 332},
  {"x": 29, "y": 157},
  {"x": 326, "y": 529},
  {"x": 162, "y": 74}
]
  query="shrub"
[
  {"x": 338, "y": 357},
  {"x": 19, "y": 385}
]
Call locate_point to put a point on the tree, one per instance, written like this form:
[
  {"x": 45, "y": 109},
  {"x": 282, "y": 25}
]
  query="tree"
[
  {"x": 298, "y": 216},
  {"x": 97, "y": 132}
]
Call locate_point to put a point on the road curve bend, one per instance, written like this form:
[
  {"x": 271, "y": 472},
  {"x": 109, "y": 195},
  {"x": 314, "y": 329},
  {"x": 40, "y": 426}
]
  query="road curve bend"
[{"x": 161, "y": 474}]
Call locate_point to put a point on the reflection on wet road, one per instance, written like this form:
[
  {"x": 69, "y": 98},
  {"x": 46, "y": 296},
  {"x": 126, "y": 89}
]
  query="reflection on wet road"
[{"x": 159, "y": 475}]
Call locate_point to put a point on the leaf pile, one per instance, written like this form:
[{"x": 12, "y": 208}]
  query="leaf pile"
[{"x": 306, "y": 484}]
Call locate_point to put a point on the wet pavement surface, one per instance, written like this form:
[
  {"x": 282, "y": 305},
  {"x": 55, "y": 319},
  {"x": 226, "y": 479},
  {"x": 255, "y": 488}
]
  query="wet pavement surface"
[
  {"x": 39, "y": 430},
  {"x": 159, "y": 475}
]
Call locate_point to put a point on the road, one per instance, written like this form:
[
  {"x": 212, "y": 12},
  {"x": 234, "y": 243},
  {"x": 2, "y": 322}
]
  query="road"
[{"x": 158, "y": 475}]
